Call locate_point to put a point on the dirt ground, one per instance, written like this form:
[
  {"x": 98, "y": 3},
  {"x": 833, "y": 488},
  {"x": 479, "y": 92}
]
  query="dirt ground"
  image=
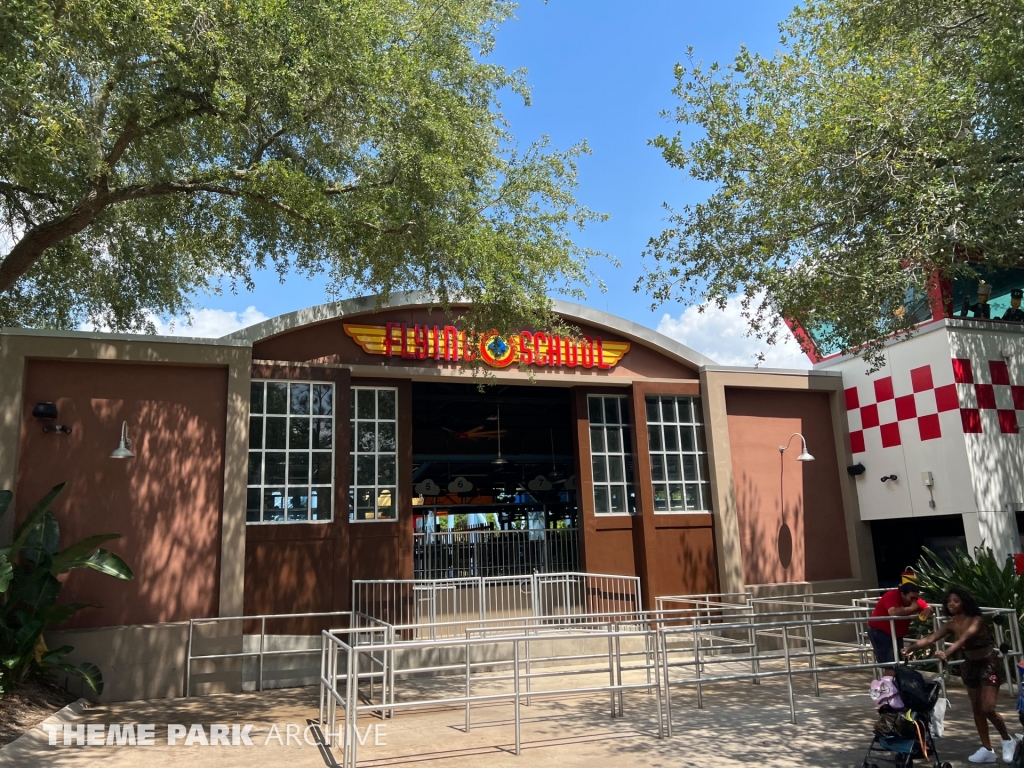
[{"x": 28, "y": 706}]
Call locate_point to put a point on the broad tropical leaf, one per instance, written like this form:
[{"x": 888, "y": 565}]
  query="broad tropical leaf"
[
  {"x": 55, "y": 615},
  {"x": 6, "y": 572},
  {"x": 76, "y": 555},
  {"x": 43, "y": 539},
  {"x": 107, "y": 562},
  {"x": 52, "y": 657},
  {"x": 92, "y": 676},
  {"x": 29, "y": 589},
  {"x": 33, "y": 517}
]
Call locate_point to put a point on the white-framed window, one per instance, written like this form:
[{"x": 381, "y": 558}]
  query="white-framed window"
[
  {"x": 373, "y": 461},
  {"x": 611, "y": 455},
  {"x": 679, "y": 454},
  {"x": 291, "y": 452}
]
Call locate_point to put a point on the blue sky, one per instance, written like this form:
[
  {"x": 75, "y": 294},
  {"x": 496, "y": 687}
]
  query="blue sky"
[{"x": 600, "y": 70}]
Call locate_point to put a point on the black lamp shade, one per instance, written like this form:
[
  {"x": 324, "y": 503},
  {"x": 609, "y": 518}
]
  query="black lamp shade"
[{"x": 44, "y": 411}]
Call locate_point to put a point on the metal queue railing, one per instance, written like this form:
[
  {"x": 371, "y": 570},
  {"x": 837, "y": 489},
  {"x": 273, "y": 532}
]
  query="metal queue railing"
[
  {"x": 1007, "y": 632},
  {"x": 687, "y": 641},
  {"x": 356, "y": 623},
  {"x": 679, "y": 648},
  {"x": 424, "y": 608},
  {"x": 458, "y": 554}
]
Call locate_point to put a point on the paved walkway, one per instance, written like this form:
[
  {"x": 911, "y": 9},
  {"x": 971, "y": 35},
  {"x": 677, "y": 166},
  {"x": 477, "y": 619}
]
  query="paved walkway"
[{"x": 741, "y": 725}]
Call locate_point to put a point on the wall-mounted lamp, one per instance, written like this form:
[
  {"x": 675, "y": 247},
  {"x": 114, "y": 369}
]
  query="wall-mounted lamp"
[
  {"x": 856, "y": 469},
  {"x": 929, "y": 482},
  {"x": 122, "y": 452},
  {"x": 886, "y": 478},
  {"x": 48, "y": 412},
  {"x": 805, "y": 456}
]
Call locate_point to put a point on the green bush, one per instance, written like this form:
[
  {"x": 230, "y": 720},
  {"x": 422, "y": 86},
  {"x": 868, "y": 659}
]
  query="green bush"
[
  {"x": 29, "y": 588},
  {"x": 994, "y": 583}
]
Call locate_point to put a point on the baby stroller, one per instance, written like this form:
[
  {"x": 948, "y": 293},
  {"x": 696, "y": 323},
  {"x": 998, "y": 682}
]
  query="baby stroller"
[{"x": 902, "y": 732}]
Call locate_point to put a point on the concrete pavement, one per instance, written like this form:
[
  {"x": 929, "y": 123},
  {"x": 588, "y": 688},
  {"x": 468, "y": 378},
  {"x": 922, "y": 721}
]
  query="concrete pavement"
[{"x": 740, "y": 725}]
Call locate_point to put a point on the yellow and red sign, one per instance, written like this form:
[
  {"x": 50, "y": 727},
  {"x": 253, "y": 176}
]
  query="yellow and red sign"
[{"x": 447, "y": 344}]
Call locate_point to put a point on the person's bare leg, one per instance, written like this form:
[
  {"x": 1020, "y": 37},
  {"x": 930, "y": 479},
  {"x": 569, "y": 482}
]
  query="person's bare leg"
[
  {"x": 980, "y": 719},
  {"x": 987, "y": 697}
]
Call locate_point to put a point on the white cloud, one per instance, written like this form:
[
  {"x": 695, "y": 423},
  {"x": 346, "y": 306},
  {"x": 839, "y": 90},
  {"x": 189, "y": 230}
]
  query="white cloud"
[
  {"x": 722, "y": 336},
  {"x": 209, "y": 323}
]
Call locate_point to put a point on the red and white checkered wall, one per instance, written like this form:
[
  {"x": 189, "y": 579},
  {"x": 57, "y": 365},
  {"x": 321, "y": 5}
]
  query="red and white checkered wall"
[{"x": 987, "y": 401}]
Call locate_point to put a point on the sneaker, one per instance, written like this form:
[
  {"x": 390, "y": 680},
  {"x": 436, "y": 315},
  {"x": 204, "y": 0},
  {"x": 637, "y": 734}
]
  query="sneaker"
[
  {"x": 1008, "y": 749},
  {"x": 982, "y": 756}
]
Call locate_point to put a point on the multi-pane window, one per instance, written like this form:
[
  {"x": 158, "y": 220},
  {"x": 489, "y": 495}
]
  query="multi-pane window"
[
  {"x": 291, "y": 452},
  {"x": 374, "y": 459},
  {"x": 611, "y": 455},
  {"x": 679, "y": 458}
]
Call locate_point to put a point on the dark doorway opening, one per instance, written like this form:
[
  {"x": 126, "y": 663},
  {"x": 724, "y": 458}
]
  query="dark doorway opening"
[
  {"x": 899, "y": 543},
  {"x": 494, "y": 480}
]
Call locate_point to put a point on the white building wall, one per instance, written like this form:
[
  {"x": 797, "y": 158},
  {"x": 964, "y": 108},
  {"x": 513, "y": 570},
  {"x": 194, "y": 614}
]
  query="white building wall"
[{"x": 946, "y": 402}]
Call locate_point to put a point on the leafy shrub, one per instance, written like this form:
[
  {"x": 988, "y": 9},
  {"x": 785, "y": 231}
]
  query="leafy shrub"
[
  {"x": 994, "y": 583},
  {"x": 29, "y": 589}
]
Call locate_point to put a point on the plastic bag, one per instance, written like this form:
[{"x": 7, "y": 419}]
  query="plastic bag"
[
  {"x": 938, "y": 721},
  {"x": 916, "y": 692}
]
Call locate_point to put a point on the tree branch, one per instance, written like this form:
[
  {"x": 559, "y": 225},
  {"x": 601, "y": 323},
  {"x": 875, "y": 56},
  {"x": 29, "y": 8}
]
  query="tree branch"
[
  {"x": 190, "y": 186},
  {"x": 257, "y": 156}
]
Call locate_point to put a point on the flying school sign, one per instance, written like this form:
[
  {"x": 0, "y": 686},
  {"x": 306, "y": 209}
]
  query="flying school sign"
[{"x": 447, "y": 344}]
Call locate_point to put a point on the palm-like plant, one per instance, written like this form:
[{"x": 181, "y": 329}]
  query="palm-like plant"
[
  {"x": 994, "y": 583},
  {"x": 29, "y": 589}
]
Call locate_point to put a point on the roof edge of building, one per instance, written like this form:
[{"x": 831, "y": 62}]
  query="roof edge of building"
[
  {"x": 334, "y": 310},
  {"x": 222, "y": 341}
]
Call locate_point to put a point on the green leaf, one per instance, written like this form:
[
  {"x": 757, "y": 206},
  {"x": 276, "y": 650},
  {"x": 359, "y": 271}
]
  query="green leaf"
[
  {"x": 28, "y": 635},
  {"x": 39, "y": 591},
  {"x": 43, "y": 540},
  {"x": 107, "y": 562},
  {"x": 33, "y": 518},
  {"x": 54, "y": 615},
  {"x": 6, "y": 572},
  {"x": 77, "y": 554},
  {"x": 52, "y": 657},
  {"x": 89, "y": 672}
]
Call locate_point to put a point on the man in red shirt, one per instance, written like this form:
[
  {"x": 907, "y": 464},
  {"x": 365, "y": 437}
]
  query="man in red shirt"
[{"x": 901, "y": 603}]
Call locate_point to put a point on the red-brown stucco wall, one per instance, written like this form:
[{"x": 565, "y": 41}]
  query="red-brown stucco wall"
[
  {"x": 790, "y": 513},
  {"x": 167, "y": 501}
]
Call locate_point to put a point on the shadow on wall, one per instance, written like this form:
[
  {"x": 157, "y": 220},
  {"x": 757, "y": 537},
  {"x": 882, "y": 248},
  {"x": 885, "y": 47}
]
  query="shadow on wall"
[
  {"x": 771, "y": 535},
  {"x": 685, "y": 561},
  {"x": 166, "y": 502},
  {"x": 994, "y": 445}
]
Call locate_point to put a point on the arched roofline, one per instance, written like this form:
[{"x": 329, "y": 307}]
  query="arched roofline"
[{"x": 335, "y": 310}]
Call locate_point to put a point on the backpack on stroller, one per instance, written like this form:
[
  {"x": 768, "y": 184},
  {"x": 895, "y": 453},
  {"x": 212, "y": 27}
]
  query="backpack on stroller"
[{"x": 905, "y": 703}]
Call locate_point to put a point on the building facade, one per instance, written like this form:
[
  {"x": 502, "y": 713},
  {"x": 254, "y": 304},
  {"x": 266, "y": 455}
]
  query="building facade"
[
  {"x": 273, "y": 467},
  {"x": 936, "y": 432}
]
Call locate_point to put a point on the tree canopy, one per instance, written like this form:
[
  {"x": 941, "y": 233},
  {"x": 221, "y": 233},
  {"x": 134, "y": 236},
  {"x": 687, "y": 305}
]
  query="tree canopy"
[
  {"x": 880, "y": 146},
  {"x": 151, "y": 150}
]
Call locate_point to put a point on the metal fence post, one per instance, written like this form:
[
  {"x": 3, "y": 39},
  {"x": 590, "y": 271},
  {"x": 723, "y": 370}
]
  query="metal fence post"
[
  {"x": 696, "y": 666},
  {"x": 515, "y": 687},
  {"x": 468, "y": 673},
  {"x": 188, "y": 659},
  {"x": 663, "y": 640},
  {"x": 661, "y": 717},
  {"x": 789, "y": 673},
  {"x": 611, "y": 668},
  {"x": 263, "y": 633},
  {"x": 814, "y": 657}
]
